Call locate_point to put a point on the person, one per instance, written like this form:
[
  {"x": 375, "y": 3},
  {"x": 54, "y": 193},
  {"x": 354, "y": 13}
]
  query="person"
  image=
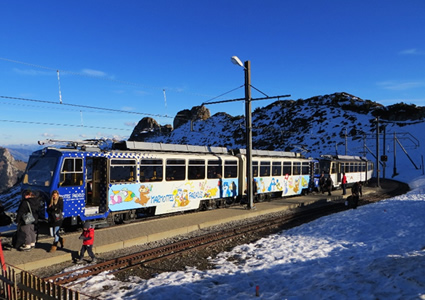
[
  {"x": 88, "y": 238},
  {"x": 29, "y": 203},
  {"x": 356, "y": 193},
  {"x": 322, "y": 181},
  {"x": 55, "y": 218},
  {"x": 329, "y": 185},
  {"x": 344, "y": 184}
]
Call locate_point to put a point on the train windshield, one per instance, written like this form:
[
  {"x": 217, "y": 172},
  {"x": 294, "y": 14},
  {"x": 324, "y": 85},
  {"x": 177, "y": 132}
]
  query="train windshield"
[
  {"x": 40, "y": 170},
  {"x": 325, "y": 166}
]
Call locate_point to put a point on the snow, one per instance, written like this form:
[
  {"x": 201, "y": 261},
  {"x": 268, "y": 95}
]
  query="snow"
[{"x": 376, "y": 251}]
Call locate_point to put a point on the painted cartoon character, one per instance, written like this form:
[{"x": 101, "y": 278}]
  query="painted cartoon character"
[
  {"x": 297, "y": 185},
  {"x": 144, "y": 198},
  {"x": 272, "y": 186},
  {"x": 116, "y": 198}
]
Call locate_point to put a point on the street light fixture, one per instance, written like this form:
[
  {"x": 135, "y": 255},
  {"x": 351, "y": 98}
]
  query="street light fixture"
[{"x": 248, "y": 126}]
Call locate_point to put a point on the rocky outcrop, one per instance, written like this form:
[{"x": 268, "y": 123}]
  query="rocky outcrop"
[
  {"x": 11, "y": 170},
  {"x": 148, "y": 127},
  {"x": 196, "y": 113}
]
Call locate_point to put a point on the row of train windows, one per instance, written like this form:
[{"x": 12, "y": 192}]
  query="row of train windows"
[
  {"x": 125, "y": 170},
  {"x": 352, "y": 167}
]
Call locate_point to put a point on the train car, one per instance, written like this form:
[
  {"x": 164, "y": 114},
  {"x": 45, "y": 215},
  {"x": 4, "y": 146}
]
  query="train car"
[
  {"x": 278, "y": 174},
  {"x": 356, "y": 168},
  {"x": 133, "y": 179}
]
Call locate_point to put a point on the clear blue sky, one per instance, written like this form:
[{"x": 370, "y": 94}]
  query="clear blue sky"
[{"x": 121, "y": 55}]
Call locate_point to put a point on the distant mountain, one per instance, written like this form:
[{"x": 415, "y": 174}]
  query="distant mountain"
[
  {"x": 10, "y": 170},
  {"x": 22, "y": 152},
  {"x": 321, "y": 124}
]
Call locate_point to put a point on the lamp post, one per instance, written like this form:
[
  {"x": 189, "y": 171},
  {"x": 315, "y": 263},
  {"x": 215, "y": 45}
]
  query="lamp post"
[{"x": 248, "y": 127}]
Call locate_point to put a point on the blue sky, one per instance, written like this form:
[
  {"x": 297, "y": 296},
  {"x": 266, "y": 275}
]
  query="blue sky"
[{"x": 122, "y": 55}]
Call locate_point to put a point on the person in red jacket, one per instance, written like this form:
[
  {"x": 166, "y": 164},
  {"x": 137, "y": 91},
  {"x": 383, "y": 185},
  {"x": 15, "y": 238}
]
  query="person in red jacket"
[
  {"x": 88, "y": 238},
  {"x": 344, "y": 183}
]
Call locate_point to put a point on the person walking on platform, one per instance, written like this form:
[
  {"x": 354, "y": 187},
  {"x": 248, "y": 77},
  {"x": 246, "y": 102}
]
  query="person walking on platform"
[
  {"x": 356, "y": 193},
  {"x": 54, "y": 211},
  {"x": 29, "y": 206},
  {"x": 344, "y": 184},
  {"x": 329, "y": 183},
  {"x": 322, "y": 181},
  {"x": 88, "y": 238}
]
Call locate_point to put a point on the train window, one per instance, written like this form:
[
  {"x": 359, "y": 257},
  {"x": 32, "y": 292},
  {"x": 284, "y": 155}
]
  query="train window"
[
  {"x": 255, "y": 169},
  {"x": 333, "y": 168},
  {"x": 287, "y": 168},
  {"x": 151, "y": 170},
  {"x": 122, "y": 170},
  {"x": 196, "y": 169},
  {"x": 305, "y": 170},
  {"x": 175, "y": 169},
  {"x": 277, "y": 168},
  {"x": 325, "y": 166},
  {"x": 40, "y": 170},
  {"x": 214, "y": 169},
  {"x": 264, "y": 168},
  {"x": 351, "y": 167},
  {"x": 347, "y": 167},
  {"x": 297, "y": 168},
  {"x": 230, "y": 168},
  {"x": 72, "y": 172}
]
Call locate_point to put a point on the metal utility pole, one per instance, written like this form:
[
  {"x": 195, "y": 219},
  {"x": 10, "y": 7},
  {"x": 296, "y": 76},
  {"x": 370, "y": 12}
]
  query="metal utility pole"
[
  {"x": 345, "y": 140},
  {"x": 377, "y": 153},
  {"x": 248, "y": 125}
]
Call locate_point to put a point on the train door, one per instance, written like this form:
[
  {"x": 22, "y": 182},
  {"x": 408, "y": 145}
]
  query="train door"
[
  {"x": 96, "y": 184},
  {"x": 339, "y": 170}
]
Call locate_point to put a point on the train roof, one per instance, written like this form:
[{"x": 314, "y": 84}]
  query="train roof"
[
  {"x": 131, "y": 145},
  {"x": 269, "y": 153},
  {"x": 343, "y": 157}
]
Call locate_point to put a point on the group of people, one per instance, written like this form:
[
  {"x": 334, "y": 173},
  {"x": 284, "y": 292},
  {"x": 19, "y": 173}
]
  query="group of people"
[
  {"x": 326, "y": 184},
  {"x": 27, "y": 224}
]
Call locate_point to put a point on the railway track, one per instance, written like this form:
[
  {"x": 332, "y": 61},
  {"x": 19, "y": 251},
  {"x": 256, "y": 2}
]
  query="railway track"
[
  {"x": 263, "y": 227},
  {"x": 267, "y": 226}
]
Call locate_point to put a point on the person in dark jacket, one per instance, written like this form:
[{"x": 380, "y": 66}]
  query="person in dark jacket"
[
  {"x": 54, "y": 211},
  {"x": 88, "y": 238},
  {"x": 356, "y": 193},
  {"x": 29, "y": 203},
  {"x": 329, "y": 184},
  {"x": 322, "y": 181}
]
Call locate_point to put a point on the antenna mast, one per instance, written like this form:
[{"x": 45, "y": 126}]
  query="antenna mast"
[{"x": 59, "y": 82}]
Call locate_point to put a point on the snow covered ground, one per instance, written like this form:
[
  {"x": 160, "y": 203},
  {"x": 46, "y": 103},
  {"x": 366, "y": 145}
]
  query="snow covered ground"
[{"x": 372, "y": 252}]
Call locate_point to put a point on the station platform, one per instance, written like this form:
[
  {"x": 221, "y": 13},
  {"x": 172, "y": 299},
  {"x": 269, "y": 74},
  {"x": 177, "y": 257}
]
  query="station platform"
[{"x": 138, "y": 233}]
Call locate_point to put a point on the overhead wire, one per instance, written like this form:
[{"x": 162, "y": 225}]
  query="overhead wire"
[
  {"x": 86, "y": 106},
  {"x": 58, "y": 124}
]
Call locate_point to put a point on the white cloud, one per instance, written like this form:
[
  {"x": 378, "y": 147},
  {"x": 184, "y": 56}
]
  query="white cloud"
[
  {"x": 412, "y": 51},
  {"x": 130, "y": 124},
  {"x": 46, "y": 134},
  {"x": 398, "y": 85},
  {"x": 95, "y": 73}
]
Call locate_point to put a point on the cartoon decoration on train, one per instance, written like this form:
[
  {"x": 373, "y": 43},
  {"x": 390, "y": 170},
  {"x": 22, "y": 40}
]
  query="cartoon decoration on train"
[
  {"x": 144, "y": 191},
  {"x": 289, "y": 183},
  {"x": 118, "y": 196}
]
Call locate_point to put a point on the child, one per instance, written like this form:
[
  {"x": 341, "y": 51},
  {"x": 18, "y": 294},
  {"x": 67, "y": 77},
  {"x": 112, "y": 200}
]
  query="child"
[{"x": 88, "y": 238}]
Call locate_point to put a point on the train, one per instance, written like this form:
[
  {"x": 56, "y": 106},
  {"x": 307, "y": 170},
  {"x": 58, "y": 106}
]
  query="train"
[{"x": 129, "y": 179}]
